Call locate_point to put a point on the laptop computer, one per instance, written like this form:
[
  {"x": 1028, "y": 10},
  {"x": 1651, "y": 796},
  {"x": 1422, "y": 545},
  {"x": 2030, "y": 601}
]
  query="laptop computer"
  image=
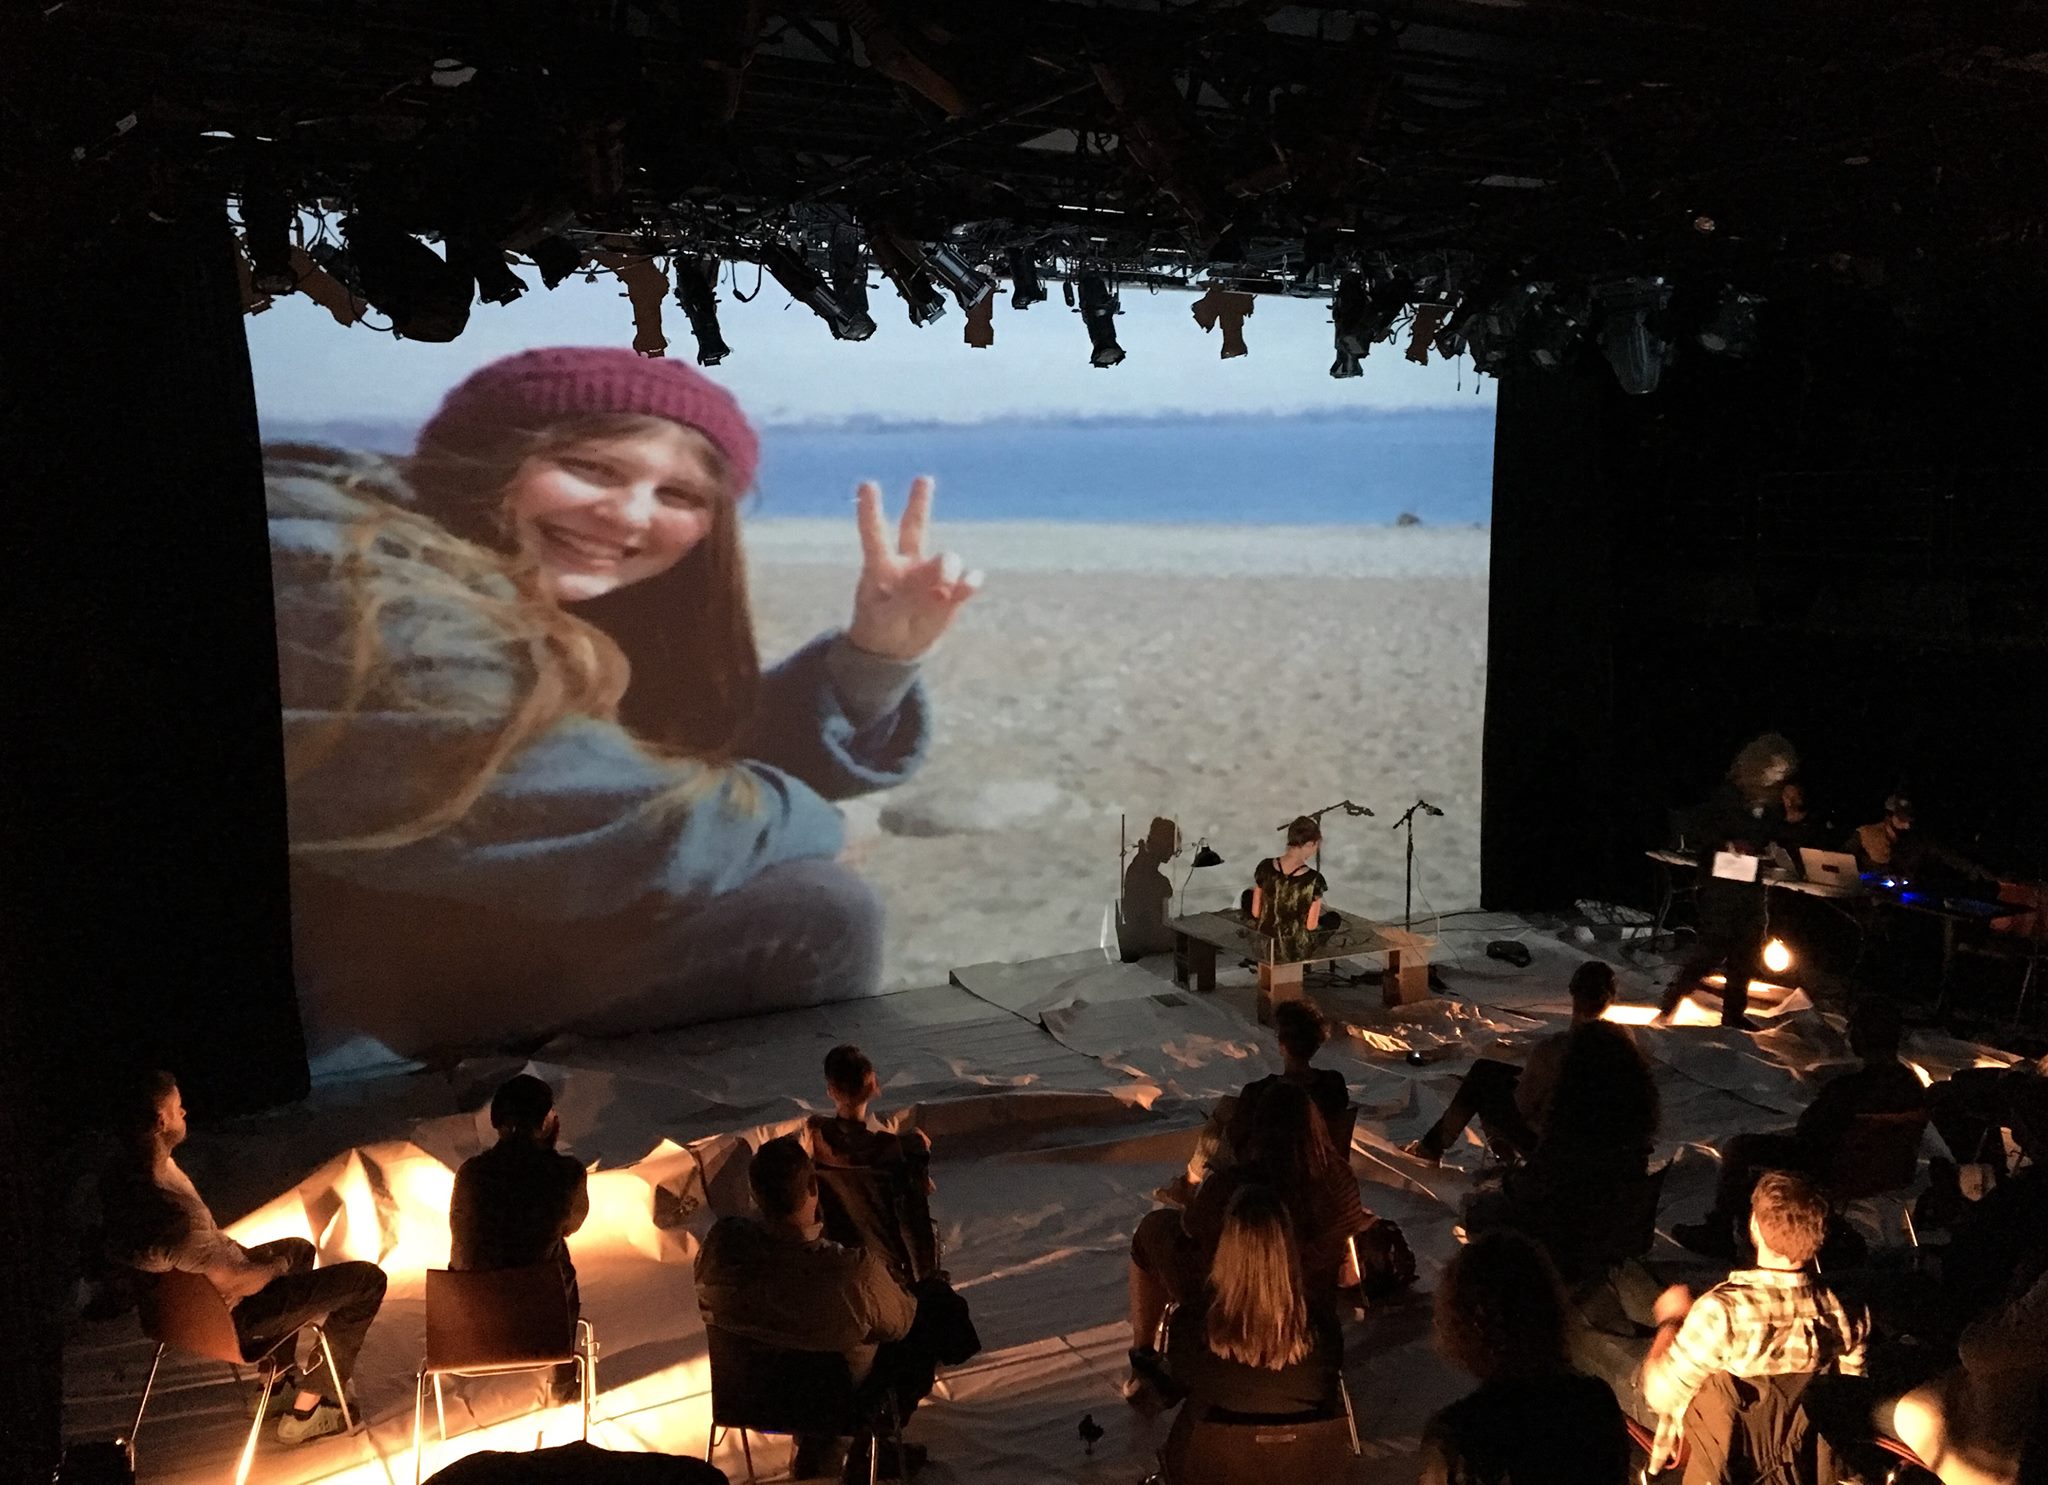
[{"x": 1831, "y": 868}]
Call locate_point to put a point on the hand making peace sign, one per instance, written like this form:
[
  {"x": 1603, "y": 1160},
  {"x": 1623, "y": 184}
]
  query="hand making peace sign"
[{"x": 905, "y": 600}]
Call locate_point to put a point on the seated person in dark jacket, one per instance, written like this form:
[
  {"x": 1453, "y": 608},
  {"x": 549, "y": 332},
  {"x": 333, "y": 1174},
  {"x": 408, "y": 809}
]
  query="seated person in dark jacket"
[
  {"x": 1881, "y": 1084},
  {"x": 1250, "y": 1341},
  {"x": 848, "y": 1137},
  {"x": 1581, "y": 1192},
  {"x": 515, "y": 1204},
  {"x": 1512, "y": 1102},
  {"x": 1302, "y": 1030},
  {"x": 1893, "y": 847},
  {"x": 1501, "y": 1315},
  {"x": 776, "y": 1280},
  {"x": 1802, "y": 829}
]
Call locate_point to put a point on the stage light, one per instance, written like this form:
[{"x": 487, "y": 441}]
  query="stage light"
[
  {"x": 1228, "y": 308},
  {"x": 906, "y": 269},
  {"x": 1777, "y": 957},
  {"x": 969, "y": 284},
  {"x": 1099, "y": 311},
  {"x": 847, "y": 264},
  {"x": 267, "y": 226},
  {"x": 801, "y": 282},
  {"x": 1634, "y": 347},
  {"x": 1025, "y": 287},
  {"x": 424, "y": 296},
  {"x": 694, "y": 293},
  {"x": 1555, "y": 327},
  {"x": 1732, "y": 330},
  {"x": 556, "y": 258},
  {"x": 496, "y": 283},
  {"x": 1347, "y": 310}
]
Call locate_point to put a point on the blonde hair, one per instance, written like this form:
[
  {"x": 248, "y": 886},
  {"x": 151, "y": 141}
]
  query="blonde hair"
[
  {"x": 449, "y": 528},
  {"x": 1258, "y": 1313}
]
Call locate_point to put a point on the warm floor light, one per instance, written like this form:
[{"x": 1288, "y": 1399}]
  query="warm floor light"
[{"x": 1777, "y": 957}]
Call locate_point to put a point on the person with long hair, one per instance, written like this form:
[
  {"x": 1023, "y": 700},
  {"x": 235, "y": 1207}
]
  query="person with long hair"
[
  {"x": 538, "y": 777},
  {"x": 1744, "y": 817},
  {"x": 1289, "y": 1151},
  {"x": 1251, "y": 1340},
  {"x": 1533, "y": 1420}
]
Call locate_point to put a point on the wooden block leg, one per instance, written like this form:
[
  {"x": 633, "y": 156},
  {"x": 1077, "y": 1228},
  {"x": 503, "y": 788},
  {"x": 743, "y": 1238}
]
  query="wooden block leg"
[
  {"x": 1277, "y": 982},
  {"x": 1205, "y": 967},
  {"x": 1183, "y": 955},
  {"x": 1407, "y": 978}
]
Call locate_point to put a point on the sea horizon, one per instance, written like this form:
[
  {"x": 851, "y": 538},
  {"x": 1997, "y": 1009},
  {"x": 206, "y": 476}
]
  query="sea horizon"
[{"x": 1371, "y": 467}]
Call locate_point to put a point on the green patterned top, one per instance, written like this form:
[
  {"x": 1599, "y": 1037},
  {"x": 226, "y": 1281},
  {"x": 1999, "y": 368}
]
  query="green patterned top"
[{"x": 1284, "y": 902}]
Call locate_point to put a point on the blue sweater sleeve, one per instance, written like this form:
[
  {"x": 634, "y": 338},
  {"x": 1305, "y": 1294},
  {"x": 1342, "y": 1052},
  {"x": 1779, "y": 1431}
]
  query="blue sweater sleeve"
[
  {"x": 579, "y": 822},
  {"x": 803, "y": 726}
]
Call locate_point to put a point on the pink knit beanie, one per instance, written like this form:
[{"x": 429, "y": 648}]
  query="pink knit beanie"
[{"x": 535, "y": 387}]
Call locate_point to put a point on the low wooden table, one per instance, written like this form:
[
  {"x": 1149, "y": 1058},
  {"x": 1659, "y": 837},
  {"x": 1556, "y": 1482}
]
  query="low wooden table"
[{"x": 1198, "y": 938}]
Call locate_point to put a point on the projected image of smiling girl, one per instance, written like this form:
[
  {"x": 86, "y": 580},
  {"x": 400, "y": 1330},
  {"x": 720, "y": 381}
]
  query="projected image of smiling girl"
[{"x": 539, "y": 780}]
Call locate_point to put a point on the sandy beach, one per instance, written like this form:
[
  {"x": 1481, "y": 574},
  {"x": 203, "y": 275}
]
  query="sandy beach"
[{"x": 1228, "y": 677}]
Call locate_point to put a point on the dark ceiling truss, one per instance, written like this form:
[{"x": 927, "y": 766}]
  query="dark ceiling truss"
[{"x": 1275, "y": 146}]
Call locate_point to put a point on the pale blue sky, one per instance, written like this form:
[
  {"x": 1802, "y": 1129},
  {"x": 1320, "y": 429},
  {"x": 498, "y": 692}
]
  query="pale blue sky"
[{"x": 785, "y": 366}]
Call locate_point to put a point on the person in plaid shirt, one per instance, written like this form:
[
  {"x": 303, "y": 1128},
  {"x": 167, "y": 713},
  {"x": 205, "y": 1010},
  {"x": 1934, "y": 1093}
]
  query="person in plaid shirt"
[{"x": 1773, "y": 1320}]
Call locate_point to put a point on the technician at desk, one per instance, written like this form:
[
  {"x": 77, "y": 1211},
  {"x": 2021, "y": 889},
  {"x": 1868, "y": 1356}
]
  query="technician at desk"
[
  {"x": 1744, "y": 817},
  {"x": 1892, "y": 847}
]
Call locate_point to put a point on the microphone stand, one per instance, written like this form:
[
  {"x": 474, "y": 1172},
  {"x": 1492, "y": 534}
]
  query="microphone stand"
[
  {"x": 1408, "y": 876},
  {"x": 1345, "y": 805}
]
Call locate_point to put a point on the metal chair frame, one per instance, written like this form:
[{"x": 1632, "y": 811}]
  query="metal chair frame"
[
  {"x": 213, "y": 1345},
  {"x": 583, "y": 1354}
]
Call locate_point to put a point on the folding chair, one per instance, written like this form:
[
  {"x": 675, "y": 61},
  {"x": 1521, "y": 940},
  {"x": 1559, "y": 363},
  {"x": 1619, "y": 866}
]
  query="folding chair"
[
  {"x": 1224, "y": 1448},
  {"x": 759, "y": 1388},
  {"x": 186, "y": 1311},
  {"x": 503, "y": 1320}
]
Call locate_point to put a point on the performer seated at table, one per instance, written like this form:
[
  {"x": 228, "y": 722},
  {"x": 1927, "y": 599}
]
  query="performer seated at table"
[
  {"x": 1892, "y": 846},
  {"x": 1287, "y": 892},
  {"x": 1512, "y": 1102},
  {"x": 1743, "y": 817},
  {"x": 1803, "y": 829},
  {"x": 1879, "y": 1084}
]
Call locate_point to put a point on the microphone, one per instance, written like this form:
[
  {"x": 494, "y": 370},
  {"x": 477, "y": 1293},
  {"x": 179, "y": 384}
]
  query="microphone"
[{"x": 1427, "y": 808}]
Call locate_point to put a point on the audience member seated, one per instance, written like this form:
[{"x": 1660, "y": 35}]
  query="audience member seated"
[
  {"x": 515, "y": 1205},
  {"x": 1289, "y": 1151},
  {"x": 1585, "y": 1191},
  {"x": 1501, "y": 1315},
  {"x": 1973, "y": 1426},
  {"x": 1880, "y": 1084},
  {"x": 776, "y": 1280},
  {"x": 1302, "y": 1030},
  {"x": 1250, "y": 1341},
  {"x": 156, "y": 1222},
  {"x": 848, "y": 1137},
  {"x": 1510, "y": 1102},
  {"x": 1727, "y": 1373},
  {"x": 1973, "y": 1105}
]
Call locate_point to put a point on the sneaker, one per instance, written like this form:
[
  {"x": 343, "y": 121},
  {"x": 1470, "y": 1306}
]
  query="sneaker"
[
  {"x": 298, "y": 1428},
  {"x": 1710, "y": 1239},
  {"x": 1741, "y": 1023},
  {"x": 1419, "y": 1151}
]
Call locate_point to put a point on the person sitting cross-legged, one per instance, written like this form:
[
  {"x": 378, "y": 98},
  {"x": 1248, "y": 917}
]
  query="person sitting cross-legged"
[
  {"x": 776, "y": 1280},
  {"x": 1501, "y": 1314},
  {"x": 1879, "y": 1084},
  {"x": 516, "y": 1204},
  {"x": 1772, "y": 1327},
  {"x": 1512, "y": 1102},
  {"x": 156, "y": 1222}
]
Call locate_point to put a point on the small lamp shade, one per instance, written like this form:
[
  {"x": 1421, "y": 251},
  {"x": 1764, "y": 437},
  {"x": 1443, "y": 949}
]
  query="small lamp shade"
[{"x": 1206, "y": 857}]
